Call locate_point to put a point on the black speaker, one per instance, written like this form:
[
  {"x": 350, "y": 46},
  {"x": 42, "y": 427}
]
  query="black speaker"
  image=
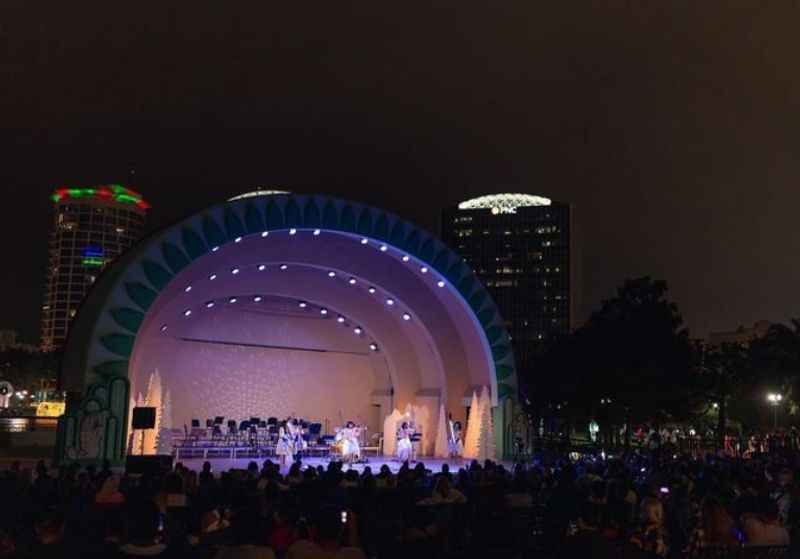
[
  {"x": 152, "y": 465},
  {"x": 144, "y": 418}
]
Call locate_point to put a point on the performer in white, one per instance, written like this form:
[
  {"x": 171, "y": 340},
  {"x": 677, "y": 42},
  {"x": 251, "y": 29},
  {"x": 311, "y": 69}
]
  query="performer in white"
[
  {"x": 351, "y": 448},
  {"x": 405, "y": 450},
  {"x": 284, "y": 446},
  {"x": 295, "y": 430},
  {"x": 456, "y": 444}
]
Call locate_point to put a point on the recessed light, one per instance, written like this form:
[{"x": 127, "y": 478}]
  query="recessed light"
[
  {"x": 316, "y": 231},
  {"x": 340, "y": 319},
  {"x": 212, "y": 277},
  {"x": 235, "y": 271},
  {"x": 405, "y": 258},
  {"x": 164, "y": 328},
  {"x": 371, "y": 290},
  {"x": 364, "y": 241},
  {"x": 262, "y": 267},
  {"x": 440, "y": 283},
  {"x": 209, "y": 304},
  {"x": 352, "y": 281},
  {"x": 232, "y": 300},
  {"x": 357, "y": 330},
  {"x": 237, "y": 240},
  {"x": 292, "y": 231},
  {"x": 257, "y": 298},
  {"x": 284, "y": 266},
  {"x": 373, "y": 347},
  {"x": 323, "y": 312},
  {"x": 383, "y": 248},
  {"x": 302, "y": 304},
  {"x": 390, "y": 302},
  {"x": 214, "y": 249},
  {"x": 424, "y": 269},
  {"x": 188, "y": 288},
  {"x": 406, "y": 316},
  {"x": 264, "y": 233},
  {"x": 187, "y": 312},
  {"x": 331, "y": 274}
]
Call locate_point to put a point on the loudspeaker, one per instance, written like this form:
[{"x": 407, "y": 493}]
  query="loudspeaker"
[
  {"x": 144, "y": 418},
  {"x": 153, "y": 465}
]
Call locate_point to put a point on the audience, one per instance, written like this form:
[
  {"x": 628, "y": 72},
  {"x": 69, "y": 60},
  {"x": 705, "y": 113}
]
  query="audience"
[{"x": 635, "y": 505}]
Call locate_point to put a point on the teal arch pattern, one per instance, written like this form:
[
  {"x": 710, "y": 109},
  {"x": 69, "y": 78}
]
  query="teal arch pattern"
[{"x": 102, "y": 338}]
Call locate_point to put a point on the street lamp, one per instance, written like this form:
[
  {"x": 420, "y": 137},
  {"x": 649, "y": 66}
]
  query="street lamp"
[{"x": 774, "y": 400}]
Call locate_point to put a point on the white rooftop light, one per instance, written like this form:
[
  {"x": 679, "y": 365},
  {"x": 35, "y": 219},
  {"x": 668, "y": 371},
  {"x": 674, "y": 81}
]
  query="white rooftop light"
[
  {"x": 503, "y": 203},
  {"x": 258, "y": 193},
  {"x": 292, "y": 231},
  {"x": 237, "y": 240},
  {"x": 316, "y": 231}
]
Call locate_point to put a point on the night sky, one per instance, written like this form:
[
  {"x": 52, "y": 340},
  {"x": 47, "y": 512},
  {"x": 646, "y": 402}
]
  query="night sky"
[{"x": 672, "y": 128}]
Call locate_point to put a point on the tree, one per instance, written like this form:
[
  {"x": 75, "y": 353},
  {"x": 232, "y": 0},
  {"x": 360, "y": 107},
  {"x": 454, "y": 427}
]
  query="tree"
[
  {"x": 724, "y": 373},
  {"x": 634, "y": 351},
  {"x": 776, "y": 357}
]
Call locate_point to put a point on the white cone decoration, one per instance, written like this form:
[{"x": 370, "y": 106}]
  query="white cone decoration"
[
  {"x": 473, "y": 426},
  {"x": 486, "y": 445},
  {"x": 164, "y": 440},
  {"x": 441, "y": 449},
  {"x": 153, "y": 399},
  {"x": 137, "y": 435},
  {"x": 129, "y": 441}
]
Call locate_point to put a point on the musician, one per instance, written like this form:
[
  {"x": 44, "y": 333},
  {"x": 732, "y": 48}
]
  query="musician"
[
  {"x": 295, "y": 431},
  {"x": 351, "y": 448},
  {"x": 455, "y": 444},
  {"x": 283, "y": 448},
  {"x": 405, "y": 450}
]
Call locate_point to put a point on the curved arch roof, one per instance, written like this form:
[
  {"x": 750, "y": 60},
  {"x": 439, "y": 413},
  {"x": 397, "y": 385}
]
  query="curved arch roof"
[
  {"x": 504, "y": 203},
  {"x": 102, "y": 338},
  {"x": 259, "y": 192}
]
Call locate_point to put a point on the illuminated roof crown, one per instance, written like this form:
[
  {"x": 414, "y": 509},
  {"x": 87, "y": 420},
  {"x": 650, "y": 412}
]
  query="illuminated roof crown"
[
  {"x": 108, "y": 192},
  {"x": 258, "y": 192},
  {"x": 503, "y": 203}
]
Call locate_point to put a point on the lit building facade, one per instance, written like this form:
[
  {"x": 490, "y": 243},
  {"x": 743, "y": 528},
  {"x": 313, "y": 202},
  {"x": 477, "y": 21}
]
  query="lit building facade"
[
  {"x": 91, "y": 227},
  {"x": 522, "y": 248}
]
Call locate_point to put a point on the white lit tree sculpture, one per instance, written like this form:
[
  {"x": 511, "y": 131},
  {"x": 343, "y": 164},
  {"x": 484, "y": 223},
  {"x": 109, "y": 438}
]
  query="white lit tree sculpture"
[
  {"x": 473, "y": 427},
  {"x": 441, "y": 449}
]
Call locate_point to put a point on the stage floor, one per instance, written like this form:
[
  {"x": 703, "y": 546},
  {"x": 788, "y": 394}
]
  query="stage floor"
[{"x": 375, "y": 463}]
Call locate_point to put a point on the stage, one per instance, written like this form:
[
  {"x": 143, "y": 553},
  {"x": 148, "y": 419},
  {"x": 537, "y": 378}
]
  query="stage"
[{"x": 375, "y": 463}]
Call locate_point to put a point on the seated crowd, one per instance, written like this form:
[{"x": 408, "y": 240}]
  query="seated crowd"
[{"x": 635, "y": 506}]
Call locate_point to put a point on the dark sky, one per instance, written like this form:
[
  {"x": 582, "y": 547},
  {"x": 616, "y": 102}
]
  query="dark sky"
[{"x": 672, "y": 128}]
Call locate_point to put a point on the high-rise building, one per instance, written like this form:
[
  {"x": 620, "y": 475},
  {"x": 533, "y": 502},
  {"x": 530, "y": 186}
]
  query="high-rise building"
[
  {"x": 522, "y": 248},
  {"x": 91, "y": 227}
]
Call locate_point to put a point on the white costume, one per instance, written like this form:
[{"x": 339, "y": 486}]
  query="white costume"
[
  {"x": 348, "y": 438},
  {"x": 455, "y": 444},
  {"x": 284, "y": 446},
  {"x": 298, "y": 444},
  {"x": 404, "y": 449}
]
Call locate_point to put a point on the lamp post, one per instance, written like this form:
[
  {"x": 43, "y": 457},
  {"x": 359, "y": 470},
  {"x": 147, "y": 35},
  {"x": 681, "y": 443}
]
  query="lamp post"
[{"x": 774, "y": 400}]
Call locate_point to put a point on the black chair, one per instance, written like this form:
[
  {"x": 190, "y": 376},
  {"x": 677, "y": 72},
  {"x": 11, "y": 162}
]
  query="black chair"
[
  {"x": 315, "y": 429},
  {"x": 219, "y": 420},
  {"x": 262, "y": 425},
  {"x": 255, "y": 420},
  {"x": 209, "y": 423},
  {"x": 272, "y": 421},
  {"x": 195, "y": 423}
]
